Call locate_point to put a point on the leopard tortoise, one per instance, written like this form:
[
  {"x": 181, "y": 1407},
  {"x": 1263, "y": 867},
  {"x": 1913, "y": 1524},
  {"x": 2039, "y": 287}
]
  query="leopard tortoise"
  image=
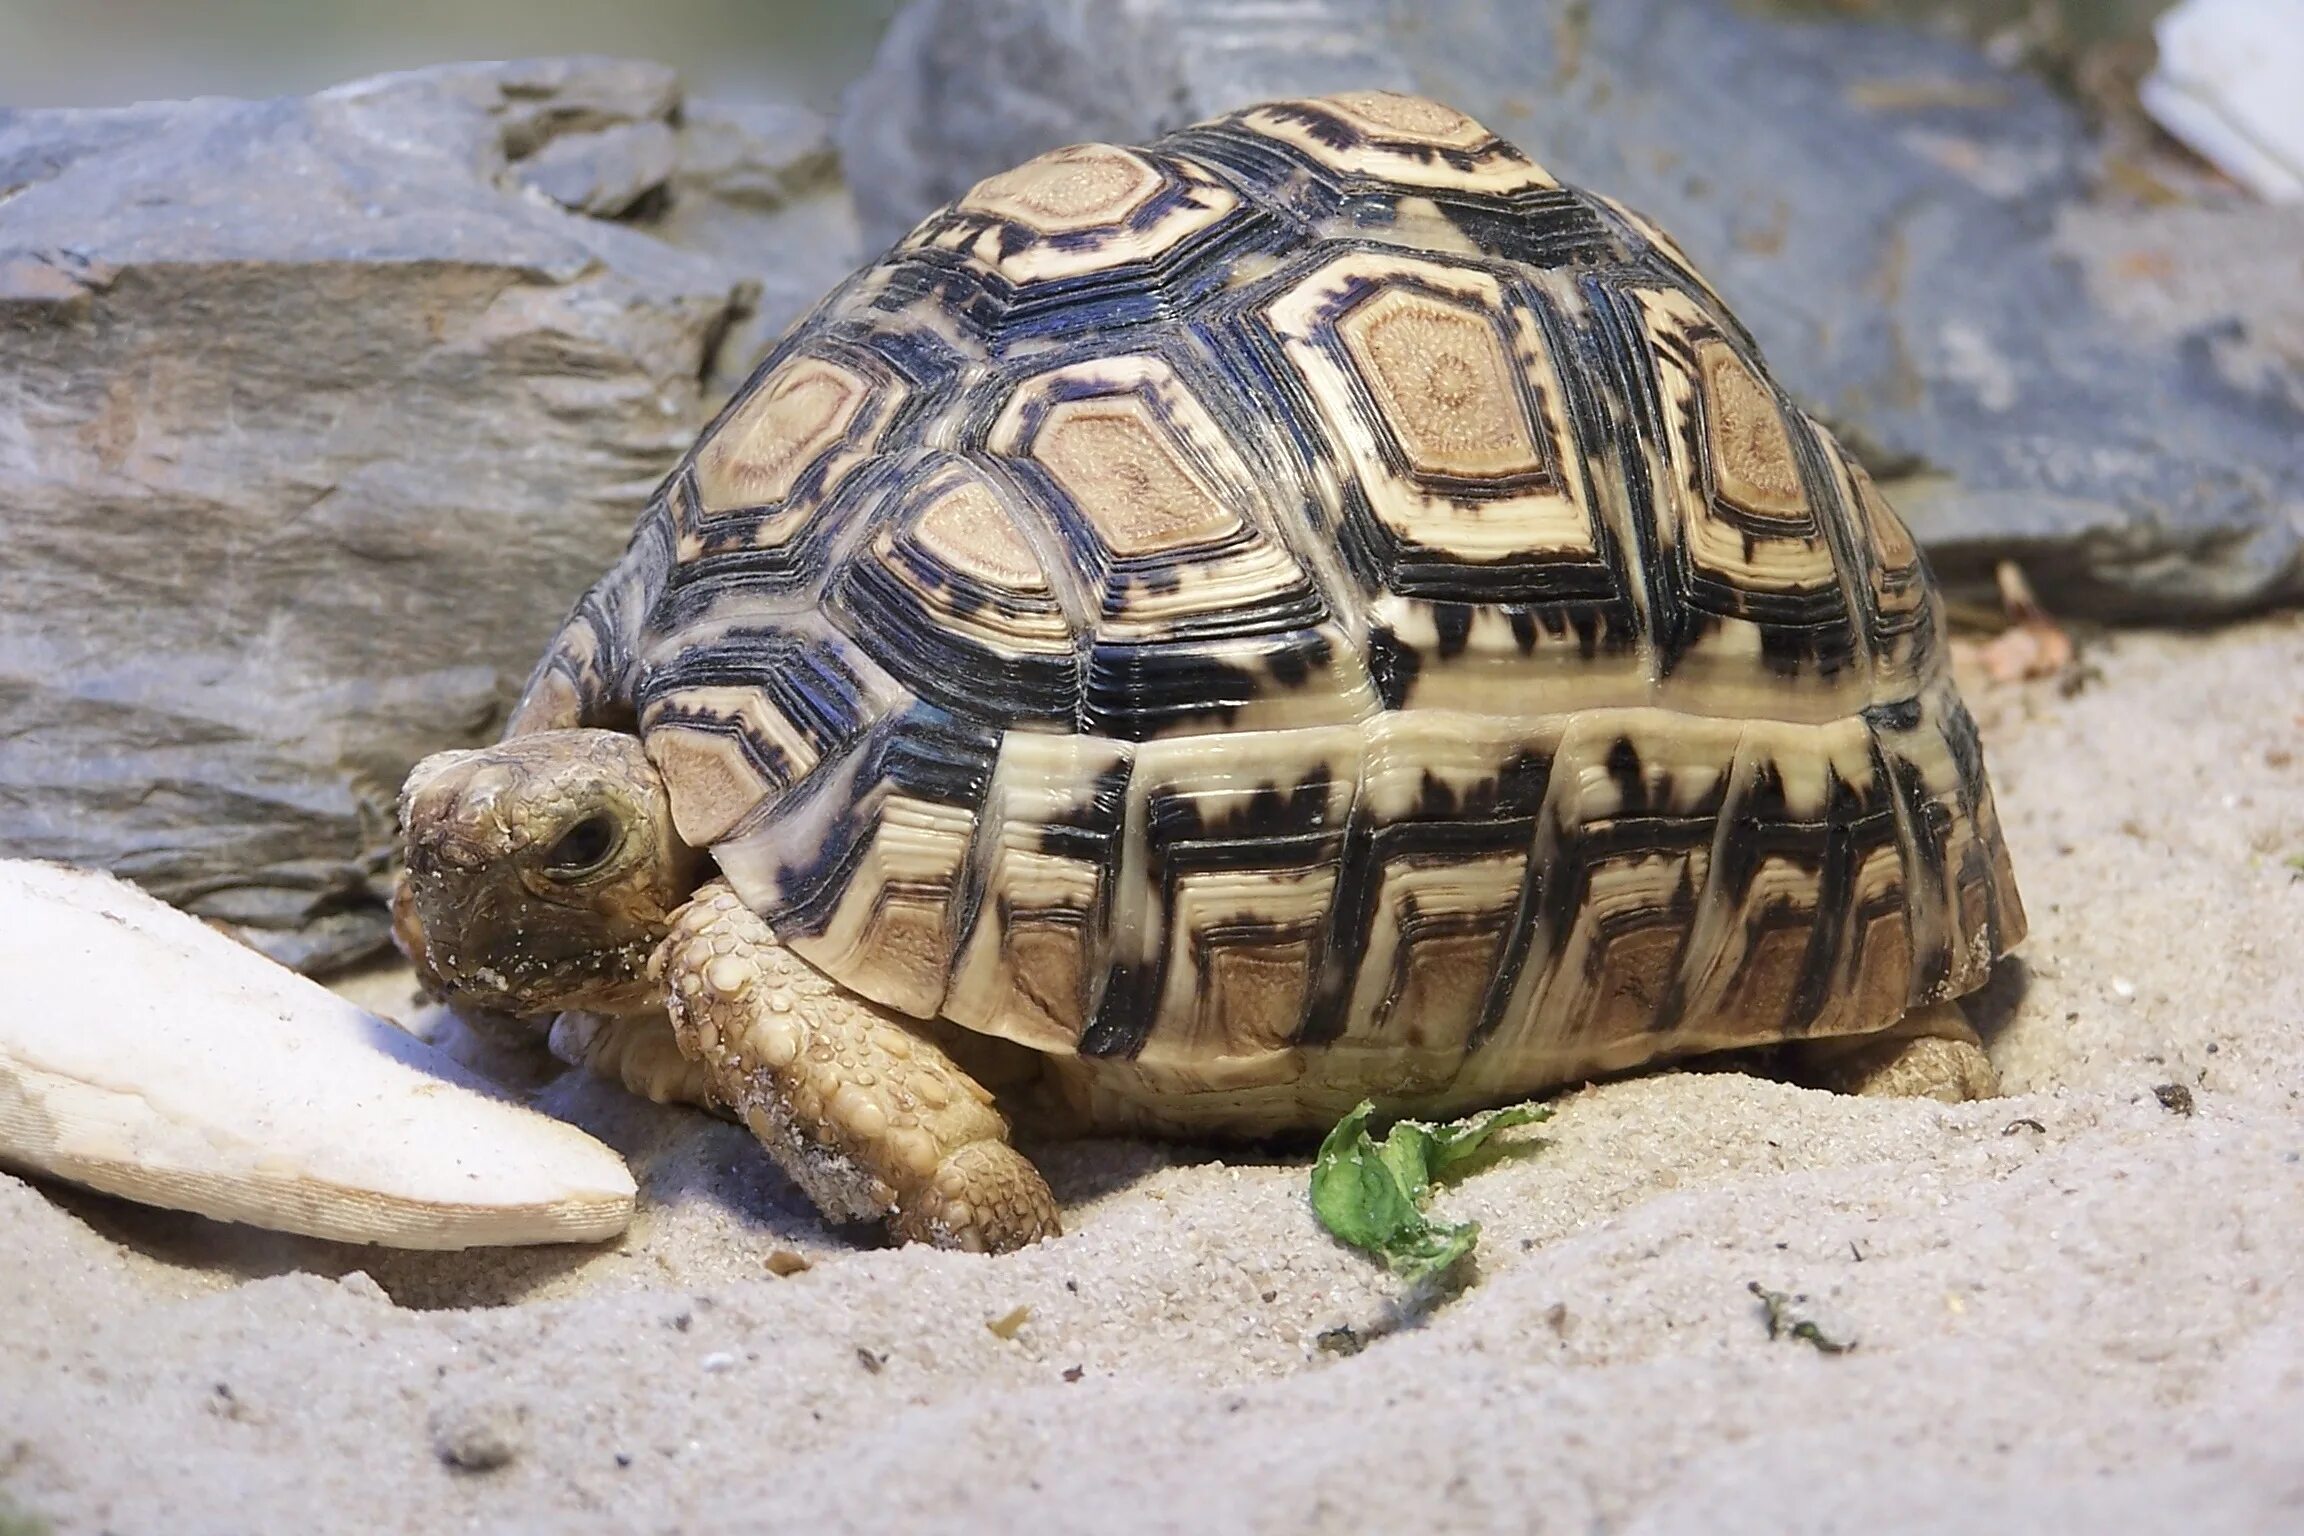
[{"x": 1199, "y": 635}]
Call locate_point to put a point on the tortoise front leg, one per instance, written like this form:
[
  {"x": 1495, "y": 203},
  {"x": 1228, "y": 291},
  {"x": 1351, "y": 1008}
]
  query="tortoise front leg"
[{"x": 870, "y": 1119}]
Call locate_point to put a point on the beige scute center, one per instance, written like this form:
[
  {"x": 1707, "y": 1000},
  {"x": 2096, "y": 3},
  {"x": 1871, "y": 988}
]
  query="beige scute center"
[{"x": 1199, "y": 634}]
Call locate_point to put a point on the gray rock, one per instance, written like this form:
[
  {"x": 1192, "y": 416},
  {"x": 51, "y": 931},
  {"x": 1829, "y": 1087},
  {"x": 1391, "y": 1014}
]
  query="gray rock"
[
  {"x": 1880, "y": 207},
  {"x": 317, "y": 414}
]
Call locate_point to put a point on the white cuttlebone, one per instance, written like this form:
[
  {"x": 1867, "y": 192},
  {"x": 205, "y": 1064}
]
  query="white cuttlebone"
[
  {"x": 146, "y": 1055},
  {"x": 2227, "y": 85}
]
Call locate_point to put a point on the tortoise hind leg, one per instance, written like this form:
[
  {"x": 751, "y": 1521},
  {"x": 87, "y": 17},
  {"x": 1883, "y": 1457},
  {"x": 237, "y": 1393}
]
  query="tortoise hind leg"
[
  {"x": 868, "y": 1117},
  {"x": 1931, "y": 1053}
]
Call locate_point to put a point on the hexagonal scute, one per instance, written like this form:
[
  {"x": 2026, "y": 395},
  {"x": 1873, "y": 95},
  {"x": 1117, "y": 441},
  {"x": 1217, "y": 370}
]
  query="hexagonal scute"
[
  {"x": 1397, "y": 138},
  {"x": 1202, "y": 613},
  {"x": 1747, "y": 567},
  {"x": 1083, "y": 212},
  {"x": 952, "y": 593},
  {"x": 1438, "y": 393},
  {"x": 782, "y": 450}
]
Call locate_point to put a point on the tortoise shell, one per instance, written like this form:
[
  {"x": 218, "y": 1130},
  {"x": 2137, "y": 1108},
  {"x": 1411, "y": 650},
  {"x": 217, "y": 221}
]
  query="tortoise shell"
[{"x": 1310, "y": 608}]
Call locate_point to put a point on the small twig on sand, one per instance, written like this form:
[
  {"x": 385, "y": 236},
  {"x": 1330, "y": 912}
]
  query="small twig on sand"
[{"x": 1784, "y": 1323}]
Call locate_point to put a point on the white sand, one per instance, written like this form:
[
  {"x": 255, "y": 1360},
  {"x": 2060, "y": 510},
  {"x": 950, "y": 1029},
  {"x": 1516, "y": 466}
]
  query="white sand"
[{"x": 2097, "y": 1324}]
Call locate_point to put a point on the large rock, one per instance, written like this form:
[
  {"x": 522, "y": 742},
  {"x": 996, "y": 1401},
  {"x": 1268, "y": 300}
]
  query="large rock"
[
  {"x": 316, "y": 415},
  {"x": 1881, "y": 208}
]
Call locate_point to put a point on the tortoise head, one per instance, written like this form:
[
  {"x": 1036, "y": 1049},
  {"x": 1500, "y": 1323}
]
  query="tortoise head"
[{"x": 541, "y": 872}]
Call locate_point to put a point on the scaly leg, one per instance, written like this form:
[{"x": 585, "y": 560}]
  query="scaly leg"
[{"x": 868, "y": 1117}]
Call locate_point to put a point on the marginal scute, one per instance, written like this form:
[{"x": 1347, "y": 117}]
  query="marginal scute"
[
  {"x": 1443, "y": 923},
  {"x": 1626, "y": 945},
  {"x": 717, "y": 784},
  {"x": 1239, "y": 988},
  {"x": 1052, "y": 820},
  {"x": 891, "y": 937},
  {"x": 1877, "y": 980}
]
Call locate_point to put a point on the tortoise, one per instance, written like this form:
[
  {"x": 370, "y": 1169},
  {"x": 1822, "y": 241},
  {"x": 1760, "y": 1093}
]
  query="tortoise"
[{"x": 1198, "y": 636}]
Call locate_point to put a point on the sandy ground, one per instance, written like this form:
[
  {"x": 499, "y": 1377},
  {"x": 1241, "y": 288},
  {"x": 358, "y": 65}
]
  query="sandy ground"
[{"x": 2074, "y": 1307}]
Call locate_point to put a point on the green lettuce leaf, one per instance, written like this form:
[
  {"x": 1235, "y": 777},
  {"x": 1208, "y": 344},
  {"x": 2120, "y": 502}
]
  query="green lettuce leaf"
[{"x": 1371, "y": 1194}]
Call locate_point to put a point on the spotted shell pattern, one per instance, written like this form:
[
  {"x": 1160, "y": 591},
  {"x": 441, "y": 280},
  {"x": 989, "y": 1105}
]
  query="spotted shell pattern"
[{"x": 1308, "y": 608}]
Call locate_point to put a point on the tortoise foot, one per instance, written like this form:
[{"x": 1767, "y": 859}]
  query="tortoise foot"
[{"x": 985, "y": 1197}]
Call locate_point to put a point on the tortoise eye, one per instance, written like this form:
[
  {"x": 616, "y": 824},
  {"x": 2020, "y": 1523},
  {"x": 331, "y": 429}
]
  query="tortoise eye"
[{"x": 583, "y": 848}]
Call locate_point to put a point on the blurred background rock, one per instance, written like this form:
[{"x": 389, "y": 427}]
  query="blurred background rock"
[
  {"x": 90, "y": 53},
  {"x": 320, "y": 403}
]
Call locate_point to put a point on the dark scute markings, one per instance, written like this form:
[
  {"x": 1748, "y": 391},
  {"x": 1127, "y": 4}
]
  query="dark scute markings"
[
  {"x": 1452, "y": 626},
  {"x": 614, "y": 613},
  {"x": 1763, "y": 827},
  {"x": 1562, "y": 896},
  {"x": 1595, "y": 629},
  {"x": 1136, "y": 691},
  {"x": 943, "y": 282},
  {"x": 887, "y": 617},
  {"x": 783, "y": 574},
  {"x": 1304, "y": 652},
  {"x": 1279, "y": 827},
  {"x": 803, "y": 677},
  {"x": 766, "y": 760},
  {"x": 1097, "y": 302},
  {"x": 1314, "y": 189},
  {"x": 1547, "y": 228},
  {"x": 1926, "y": 827},
  {"x": 1611, "y": 343},
  {"x": 1801, "y": 633},
  {"x": 1271, "y": 811},
  {"x": 923, "y": 752},
  {"x": 1393, "y": 663},
  {"x": 1498, "y": 814},
  {"x": 1123, "y": 1019},
  {"x": 888, "y": 621},
  {"x": 1088, "y": 830},
  {"x": 1967, "y": 750}
]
